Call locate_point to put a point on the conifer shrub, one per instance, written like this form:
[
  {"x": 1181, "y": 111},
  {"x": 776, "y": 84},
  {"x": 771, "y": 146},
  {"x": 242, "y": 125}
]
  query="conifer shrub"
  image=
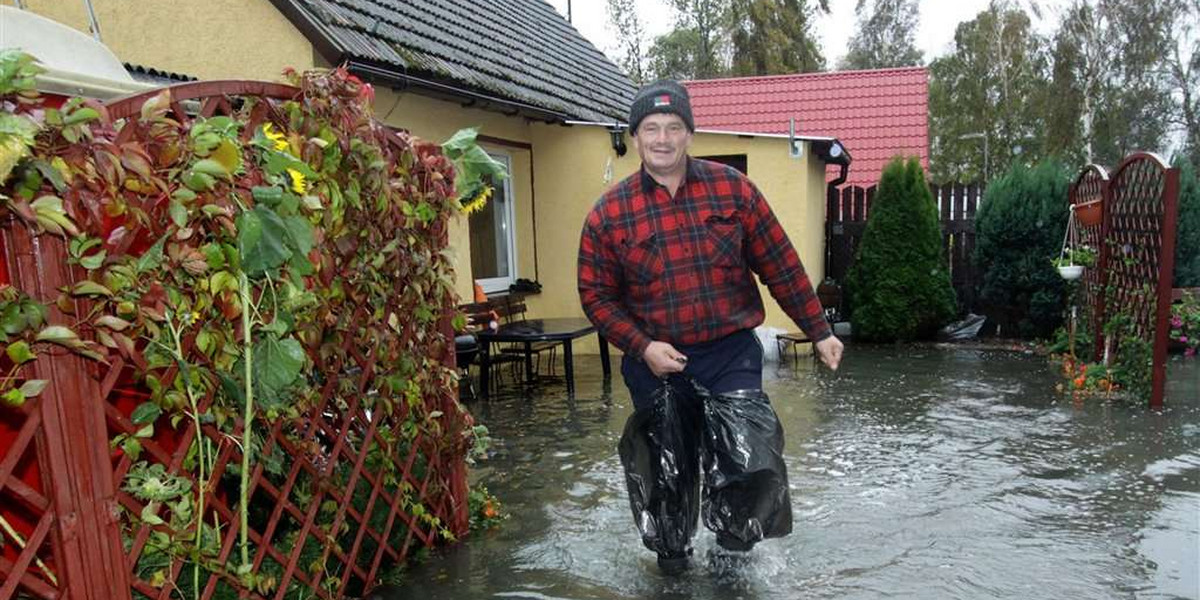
[
  {"x": 1187, "y": 235},
  {"x": 899, "y": 284},
  {"x": 1019, "y": 228}
]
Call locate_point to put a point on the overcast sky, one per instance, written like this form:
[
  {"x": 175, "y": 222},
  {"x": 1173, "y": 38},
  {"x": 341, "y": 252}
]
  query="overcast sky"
[{"x": 936, "y": 34}]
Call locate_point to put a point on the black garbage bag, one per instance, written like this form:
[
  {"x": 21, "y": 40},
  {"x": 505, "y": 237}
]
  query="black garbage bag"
[
  {"x": 739, "y": 440},
  {"x": 660, "y": 452},
  {"x": 746, "y": 495}
]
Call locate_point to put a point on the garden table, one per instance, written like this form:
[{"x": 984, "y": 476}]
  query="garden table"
[{"x": 528, "y": 332}]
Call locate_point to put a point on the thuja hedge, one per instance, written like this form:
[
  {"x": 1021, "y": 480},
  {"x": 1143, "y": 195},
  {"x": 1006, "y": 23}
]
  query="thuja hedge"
[
  {"x": 899, "y": 285},
  {"x": 1187, "y": 244},
  {"x": 1019, "y": 225}
]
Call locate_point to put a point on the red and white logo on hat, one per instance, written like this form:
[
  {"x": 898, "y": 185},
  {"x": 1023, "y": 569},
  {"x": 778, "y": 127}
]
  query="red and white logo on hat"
[{"x": 663, "y": 100}]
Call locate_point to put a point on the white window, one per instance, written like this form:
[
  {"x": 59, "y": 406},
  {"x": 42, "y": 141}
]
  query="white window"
[{"x": 493, "y": 237}]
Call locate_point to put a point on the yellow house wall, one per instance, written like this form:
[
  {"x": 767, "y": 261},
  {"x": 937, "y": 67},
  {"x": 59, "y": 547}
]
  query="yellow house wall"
[
  {"x": 570, "y": 165},
  {"x": 209, "y": 39},
  {"x": 435, "y": 121}
]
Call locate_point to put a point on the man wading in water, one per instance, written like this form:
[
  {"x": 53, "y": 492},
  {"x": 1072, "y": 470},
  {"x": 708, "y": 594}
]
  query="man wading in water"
[{"x": 665, "y": 273}]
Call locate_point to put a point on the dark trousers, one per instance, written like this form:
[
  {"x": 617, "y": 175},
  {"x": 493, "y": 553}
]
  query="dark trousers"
[
  {"x": 732, "y": 363},
  {"x": 698, "y": 418}
]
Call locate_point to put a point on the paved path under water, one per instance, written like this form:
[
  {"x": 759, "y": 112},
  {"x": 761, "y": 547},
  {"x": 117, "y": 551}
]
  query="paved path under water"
[{"x": 916, "y": 473}]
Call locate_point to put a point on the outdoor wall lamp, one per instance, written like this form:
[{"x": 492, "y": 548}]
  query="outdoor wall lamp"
[{"x": 618, "y": 140}]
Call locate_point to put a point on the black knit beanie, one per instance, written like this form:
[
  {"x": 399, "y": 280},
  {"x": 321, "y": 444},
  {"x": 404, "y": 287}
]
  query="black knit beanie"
[{"x": 662, "y": 96}]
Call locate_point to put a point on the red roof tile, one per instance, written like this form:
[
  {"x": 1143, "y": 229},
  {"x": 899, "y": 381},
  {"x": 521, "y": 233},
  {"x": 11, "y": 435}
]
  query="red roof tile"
[{"x": 876, "y": 114}]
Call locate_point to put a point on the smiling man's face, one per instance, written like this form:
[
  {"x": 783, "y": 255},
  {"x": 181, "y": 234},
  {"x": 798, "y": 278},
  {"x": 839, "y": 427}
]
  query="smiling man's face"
[{"x": 662, "y": 140}]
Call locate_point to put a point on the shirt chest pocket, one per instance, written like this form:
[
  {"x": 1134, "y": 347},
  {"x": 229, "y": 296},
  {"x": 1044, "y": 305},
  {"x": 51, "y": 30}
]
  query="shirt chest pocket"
[
  {"x": 723, "y": 240},
  {"x": 642, "y": 259}
]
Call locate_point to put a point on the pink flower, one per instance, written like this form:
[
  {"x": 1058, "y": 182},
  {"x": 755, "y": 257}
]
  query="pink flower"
[
  {"x": 1189, "y": 352},
  {"x": 1183, "y": 339},
  {"x": 1176, "y": 322}
]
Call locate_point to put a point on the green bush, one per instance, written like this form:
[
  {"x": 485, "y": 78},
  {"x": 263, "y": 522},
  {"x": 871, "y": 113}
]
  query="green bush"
[
  {"x": 1187, "y": 236},
  {"x": 1019, "y": 228},
  {"x": 899, "y": 284}
]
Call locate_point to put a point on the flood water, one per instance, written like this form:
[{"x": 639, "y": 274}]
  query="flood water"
[{"x": 915, "y": 473}]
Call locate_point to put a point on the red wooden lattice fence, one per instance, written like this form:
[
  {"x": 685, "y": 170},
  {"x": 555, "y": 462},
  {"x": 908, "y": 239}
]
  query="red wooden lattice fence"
[
  {"x": 1136, "y": 246},
  {"x": 338, "y": 511}
]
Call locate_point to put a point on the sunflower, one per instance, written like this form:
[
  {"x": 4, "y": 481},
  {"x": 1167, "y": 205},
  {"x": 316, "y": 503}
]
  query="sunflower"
[
  {"x": 278, "y": 139},
  {"x": 479, "y": 201},
  {"x": 299, "y": 184}
]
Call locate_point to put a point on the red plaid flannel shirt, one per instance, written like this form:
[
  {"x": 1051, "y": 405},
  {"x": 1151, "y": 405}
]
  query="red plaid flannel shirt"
[{"x": 677, "y": 270}]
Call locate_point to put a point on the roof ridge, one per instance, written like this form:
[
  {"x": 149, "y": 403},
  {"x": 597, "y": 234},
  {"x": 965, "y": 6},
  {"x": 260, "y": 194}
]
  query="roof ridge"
[{"x": 809, "y": 75}]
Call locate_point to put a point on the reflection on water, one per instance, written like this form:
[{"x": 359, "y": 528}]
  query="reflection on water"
[{"x": 920, "y": 473}]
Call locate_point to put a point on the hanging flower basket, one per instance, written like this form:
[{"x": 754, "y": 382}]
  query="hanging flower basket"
[
  {"x": 1089, "y": 213},
  {"x": 1070, "y": 272}
]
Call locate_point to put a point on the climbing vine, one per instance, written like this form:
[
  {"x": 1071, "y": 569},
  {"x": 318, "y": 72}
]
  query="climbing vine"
[{"x": 249, "y": 267}]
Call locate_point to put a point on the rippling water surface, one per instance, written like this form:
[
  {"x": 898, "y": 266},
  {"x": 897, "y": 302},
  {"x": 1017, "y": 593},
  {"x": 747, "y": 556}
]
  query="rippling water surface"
[{"x": 915, "y": 473}]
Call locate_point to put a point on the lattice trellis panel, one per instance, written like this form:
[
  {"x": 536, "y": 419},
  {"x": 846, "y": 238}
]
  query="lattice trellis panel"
[
  {"x": 1092, "y": 186},
  {"x": 1138, "y": 252},
  {"x": 55, "y": 492},
  {"x": 26, "y": 562},
  {"x": 335, "y": 499}
]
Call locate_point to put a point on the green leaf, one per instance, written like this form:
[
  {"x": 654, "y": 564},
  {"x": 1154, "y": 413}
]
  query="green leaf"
[
  {"x": 262, "y": 241},
  {"x": 57, "y": 334},
  {"x": 231, "y": 387},
  {"x": 33, "y": 387},
  {"x": 152, "y": 257},
  {"x": 459, "y": 142},
  {"x": 198, "y": 181},
  {"x": 183, "y": 195},
  {"x": 19, "y": 353},
  {"x": 81, "y": 115},
  {"x": 51, "y": 215},
  {"x": 279, "y": 162},
  {"x": 221, "y": 281},
  {"x": 146, "y": 412},
  {"x": 94, "y": 261},
  {"x": 132, "y": 447},
  {"x": 179, "y": 213},
  {"x": 277, "y": 363},
  {"x": 13, "y": 398},
  {"x": 211, "y": 167},
  {"x": 145, "y": 432},
  {"x": 268, "y": 195},
  {"x": 149, "y": 517},
  {"x": 300, "y": 234},
  {"x": 112, "y": 322},
  {"x": 52, "y": 171},
  {"x": 213, "y": 256},
  {"x": 90, "y": 288}
]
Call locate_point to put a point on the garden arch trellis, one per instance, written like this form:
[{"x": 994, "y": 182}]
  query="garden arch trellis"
[
  {"x": 1135, "y": 239},
  {"x": 60, "y": 484}
]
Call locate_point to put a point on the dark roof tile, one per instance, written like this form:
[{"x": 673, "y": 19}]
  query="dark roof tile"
[{"x": 517, "y": 50}]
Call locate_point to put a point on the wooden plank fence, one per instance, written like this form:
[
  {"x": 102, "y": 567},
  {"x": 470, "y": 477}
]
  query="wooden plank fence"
[{"x": 846, "y": 215}]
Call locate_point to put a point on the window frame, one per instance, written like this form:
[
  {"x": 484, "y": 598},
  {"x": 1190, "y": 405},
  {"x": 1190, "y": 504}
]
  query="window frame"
[{"x": 493, "y": 285}]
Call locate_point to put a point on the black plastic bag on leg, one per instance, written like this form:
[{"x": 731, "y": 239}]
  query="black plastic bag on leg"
[
  {"x": 746, "y": 487},
  {"x": 660, "y": 453}
]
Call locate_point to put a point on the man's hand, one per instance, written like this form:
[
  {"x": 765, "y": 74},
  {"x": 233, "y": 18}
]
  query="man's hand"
[
  {"x": 663, "y": 359},
  {"x": 830, "y": 351}
]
